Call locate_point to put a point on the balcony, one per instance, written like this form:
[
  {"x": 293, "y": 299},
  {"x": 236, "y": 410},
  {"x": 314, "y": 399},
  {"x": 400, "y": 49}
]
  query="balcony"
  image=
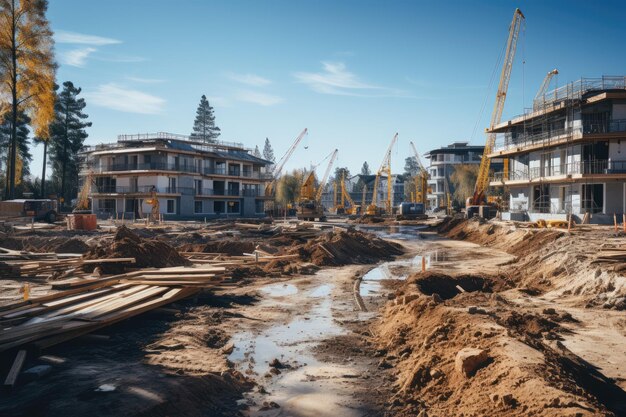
[
  {"x": 599, "y": 167},
  {"x": 147, "y": 189},
  {"x": 506, "y": 141}
]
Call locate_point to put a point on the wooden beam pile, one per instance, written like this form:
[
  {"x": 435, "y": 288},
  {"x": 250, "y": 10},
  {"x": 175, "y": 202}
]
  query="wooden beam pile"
[
  {"x": 86, "y": 305},
  {"x": 45, "y": 265}
]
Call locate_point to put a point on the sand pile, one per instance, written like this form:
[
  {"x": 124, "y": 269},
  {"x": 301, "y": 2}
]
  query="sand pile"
[
  {"x": 347, "y": 247},
  {"x": 553, "y": 262},
  {"x": 477, "y": 354},
  {"x": 148, "y": 253}
]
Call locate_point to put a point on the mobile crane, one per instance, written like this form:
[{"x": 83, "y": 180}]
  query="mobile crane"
[
  {"x": 310, "y": 203},
  {"x": 385, "y": 167},
  {"x": 476, "y": 203}
]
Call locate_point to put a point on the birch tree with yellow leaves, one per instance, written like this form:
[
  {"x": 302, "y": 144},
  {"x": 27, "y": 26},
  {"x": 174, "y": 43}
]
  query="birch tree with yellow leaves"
[{"x": 27, "y": 71}]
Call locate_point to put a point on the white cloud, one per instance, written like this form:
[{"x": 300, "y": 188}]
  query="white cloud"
[
  {"x": 250, "y": 79},
  {"x": 258, "y": 98},
  {"x": 336, "y": 79},
  {"x": 117, "y": 97},
  {"x": 62, "y": 36},
  {"x": 145, "y": 80},
  {"x": 77, "y": 57}
]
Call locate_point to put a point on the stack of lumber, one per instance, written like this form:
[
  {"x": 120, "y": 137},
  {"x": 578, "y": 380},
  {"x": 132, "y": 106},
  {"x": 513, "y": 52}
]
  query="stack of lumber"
[
  {"x": 45, "y": 265},
  {"x": 224, "y": 260},
  {"x": 86, "y": 305}
]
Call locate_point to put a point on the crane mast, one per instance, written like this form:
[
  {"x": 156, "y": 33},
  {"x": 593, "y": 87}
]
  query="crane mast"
[
  {"x": 423, "y": 177},
  {"x": 544, "y": 87},
  {"x": 320, "y": 190},
  {"x": 482, "y": 182},
  {"x": 269, "y": 189},
  {"x": 385, "y": 167}
]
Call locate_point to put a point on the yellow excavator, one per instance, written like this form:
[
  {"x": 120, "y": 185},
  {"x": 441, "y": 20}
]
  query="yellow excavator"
[
  {"x": 310, "y": 203},
  {"x": 385, "y": 168}
]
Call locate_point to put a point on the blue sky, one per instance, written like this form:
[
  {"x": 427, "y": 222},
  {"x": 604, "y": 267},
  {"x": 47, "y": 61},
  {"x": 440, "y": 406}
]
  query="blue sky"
[{"x": 352, "y": 72}]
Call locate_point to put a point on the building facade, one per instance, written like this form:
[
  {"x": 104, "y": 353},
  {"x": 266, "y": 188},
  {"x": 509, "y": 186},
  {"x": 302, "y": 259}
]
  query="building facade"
[
  {"x": 441, "y": 166},
  {"x": 565, "y": 156},
  {"x": 191, "y": 179}
]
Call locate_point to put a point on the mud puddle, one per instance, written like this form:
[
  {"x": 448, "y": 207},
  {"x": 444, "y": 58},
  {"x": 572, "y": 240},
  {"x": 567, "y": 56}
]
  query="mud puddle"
[
  {"x": 280, "y": 353},
  {"x": 292, "y": 382},
  {"x": 372, "y": 282}
]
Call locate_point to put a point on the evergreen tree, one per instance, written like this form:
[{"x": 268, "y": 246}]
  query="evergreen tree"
[
  {"x": 24, "y": 156},
  {"x": 257, "y": 152},
  {"x": 67, "y": 137},
  {"x": 268, "y": 152},
  {"x": 365, "y": 169},
  {"x": 26, "y": 72},
  {"x": 411, "y": 167},
  {"x": 204, "y": 126}
]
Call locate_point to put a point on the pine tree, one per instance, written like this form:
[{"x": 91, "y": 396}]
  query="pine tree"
[
  {"x": 268, "y": 152},
  {"x": 257, "y": 152},
  {"x": 68, "y": 134},
  {"x": 26, "y": 71},
  {"x": 204, "y": 128},
  {"x": 24, "y": 156},
  {"x": 365, "y": 169}
]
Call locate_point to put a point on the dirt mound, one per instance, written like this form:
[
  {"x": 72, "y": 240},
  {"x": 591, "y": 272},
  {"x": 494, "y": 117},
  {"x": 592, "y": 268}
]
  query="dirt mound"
[
  {"x": 147, "y": 253},
  {"x": 347, "y": 247},
  {"x": 420, "y": 339},
  {"x": 230, "y": 247},
  {"x": 447, "y": 286},
  {"x": 72, "y": 246}
]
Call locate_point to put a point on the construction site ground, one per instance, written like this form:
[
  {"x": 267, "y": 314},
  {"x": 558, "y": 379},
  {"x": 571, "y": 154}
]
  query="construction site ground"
[{"x": 505, "y": 320}]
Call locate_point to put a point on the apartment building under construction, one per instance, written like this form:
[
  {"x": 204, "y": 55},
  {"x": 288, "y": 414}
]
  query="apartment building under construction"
[
  {"x": 567, "y": 154},
  {"x": 190, "y": 178}
]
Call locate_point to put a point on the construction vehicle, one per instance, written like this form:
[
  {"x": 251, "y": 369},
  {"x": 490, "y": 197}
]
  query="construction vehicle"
[
  {"x": 278, "y": 168},
  {"x": 37, "y": 209},
  {"x": 310, "y": 203},
  {"x": 385, "y": 167},
  {"x": 476, "y": 204}
]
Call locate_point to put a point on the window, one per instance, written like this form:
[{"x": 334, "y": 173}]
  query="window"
[
  {"x": 197, "y": 206},
  {"x": 259, "y": 206},
  {"x": 233, "y": 206},
  {"x": 171, "y": 206}
]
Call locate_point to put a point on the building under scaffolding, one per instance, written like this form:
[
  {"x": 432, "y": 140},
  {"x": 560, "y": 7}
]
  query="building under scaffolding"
[{"x": 565, "y": 154}]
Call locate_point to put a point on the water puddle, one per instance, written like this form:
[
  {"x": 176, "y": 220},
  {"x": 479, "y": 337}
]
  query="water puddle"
[
  {"x": 372, "y": 281},
  {"x": 280, "y": 290}
]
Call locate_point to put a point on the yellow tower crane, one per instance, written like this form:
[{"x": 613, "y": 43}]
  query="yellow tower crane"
[
  {"x": 421, "y": 188},
  {"x": 278, "y": 168},
  {"x": 385, "y": 168},
  {"x": 474, "y": 202}
]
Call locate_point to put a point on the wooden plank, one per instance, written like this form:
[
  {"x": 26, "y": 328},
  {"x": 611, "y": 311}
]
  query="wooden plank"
[{"x": 15, "y": 368}]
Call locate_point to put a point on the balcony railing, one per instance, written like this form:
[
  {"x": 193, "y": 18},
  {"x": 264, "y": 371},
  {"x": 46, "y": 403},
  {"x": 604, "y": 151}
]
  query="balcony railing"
[
  {"x": 157, "y": 166},
  {"x": 144, "y": 189},
  {"x": 587, "y": 167},
  {"x": 506, "y": 141}
]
